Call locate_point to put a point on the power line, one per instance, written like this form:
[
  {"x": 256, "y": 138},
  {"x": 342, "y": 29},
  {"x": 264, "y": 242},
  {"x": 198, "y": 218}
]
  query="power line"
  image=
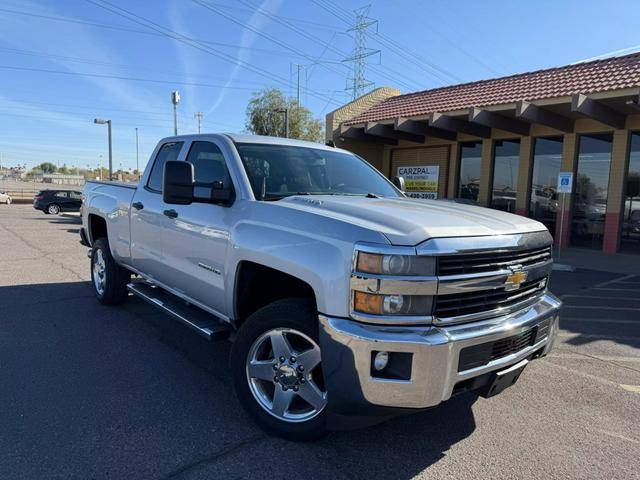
[
  {"x": 412, "y": 57},
  {"x": 122, "y": 28},
  {"x": 193, "y": 43},
  {"x": 327, "y": 45}
]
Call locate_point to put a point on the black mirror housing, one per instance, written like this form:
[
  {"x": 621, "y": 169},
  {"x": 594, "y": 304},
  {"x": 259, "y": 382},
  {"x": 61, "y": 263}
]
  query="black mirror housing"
[
  {"x": 399, "y": 183},
  {"x": 178, "y": 183}
]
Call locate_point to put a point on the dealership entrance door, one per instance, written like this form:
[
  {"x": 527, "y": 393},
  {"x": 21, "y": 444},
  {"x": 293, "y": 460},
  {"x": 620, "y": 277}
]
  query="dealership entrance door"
[{"x": 428, "y": 182}]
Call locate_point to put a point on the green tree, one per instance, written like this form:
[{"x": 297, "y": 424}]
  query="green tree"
[
  {"x": 46, "y": 167},
  {"x": 64, "y": 169},
  {"x": 263, "y": 117}
]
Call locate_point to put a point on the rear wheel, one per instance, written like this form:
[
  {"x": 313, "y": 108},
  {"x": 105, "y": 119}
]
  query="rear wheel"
[
  {"x": 277, "y": 370},
  {"x": 53, "y": 209},
  {"x": 109, "y": 279}
]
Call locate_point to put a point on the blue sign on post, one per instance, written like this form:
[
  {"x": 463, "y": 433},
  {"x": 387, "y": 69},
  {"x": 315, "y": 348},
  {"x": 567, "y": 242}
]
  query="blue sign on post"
[{"x": 565, "y": 182}]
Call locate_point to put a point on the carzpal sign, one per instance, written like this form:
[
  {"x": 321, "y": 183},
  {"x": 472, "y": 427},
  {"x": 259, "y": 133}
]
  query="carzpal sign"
[{"x": 421, "y": 181}]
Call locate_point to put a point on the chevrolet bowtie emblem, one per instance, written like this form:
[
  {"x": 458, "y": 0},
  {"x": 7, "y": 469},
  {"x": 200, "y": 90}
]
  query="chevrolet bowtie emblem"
[{"x": 515, "y": 279}]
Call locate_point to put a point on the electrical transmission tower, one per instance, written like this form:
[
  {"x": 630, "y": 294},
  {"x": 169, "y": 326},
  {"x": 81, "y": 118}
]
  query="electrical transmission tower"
[{"x": 358, "y": 83}]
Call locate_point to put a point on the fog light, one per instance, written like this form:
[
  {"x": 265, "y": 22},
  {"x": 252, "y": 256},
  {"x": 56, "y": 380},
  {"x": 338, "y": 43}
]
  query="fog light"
[{"x": 381, "y": 360}]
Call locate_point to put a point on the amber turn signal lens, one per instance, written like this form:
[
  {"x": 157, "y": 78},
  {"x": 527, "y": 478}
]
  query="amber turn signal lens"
[
  {"x": 368, "y": 303},
  {"x": 369, "y": 262}
]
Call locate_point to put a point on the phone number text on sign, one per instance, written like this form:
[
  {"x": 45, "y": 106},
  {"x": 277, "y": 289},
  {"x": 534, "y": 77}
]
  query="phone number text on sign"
[{"x": 421, "y": 181}]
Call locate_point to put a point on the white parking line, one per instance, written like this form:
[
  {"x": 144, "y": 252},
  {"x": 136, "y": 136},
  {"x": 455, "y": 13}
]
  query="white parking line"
[
  {"x": 601, "y": 320},
  {"x": 622, "y": 338},
  {"x": 592, "y": 307},
  {"x": 618, "y": 289},
  {"x": 599, "y": 298},
  {"x": 615, "y": 280}
]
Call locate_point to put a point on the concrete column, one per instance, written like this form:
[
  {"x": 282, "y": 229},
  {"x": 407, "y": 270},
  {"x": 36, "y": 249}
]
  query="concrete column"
[
  {"x": 486, "y": 172},
  {"x": 524, "y": 173},
  {"x": 454, "y": 169},
  {"x": 615, "y": 199},
  {"x": 569, "y": 159}
]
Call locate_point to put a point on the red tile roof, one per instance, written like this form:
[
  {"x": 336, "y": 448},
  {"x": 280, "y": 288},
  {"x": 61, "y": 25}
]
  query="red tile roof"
[{"x": 596, "y": 76}]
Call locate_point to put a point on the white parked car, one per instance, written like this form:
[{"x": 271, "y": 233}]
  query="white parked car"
[{"x": 5, "y": 198}]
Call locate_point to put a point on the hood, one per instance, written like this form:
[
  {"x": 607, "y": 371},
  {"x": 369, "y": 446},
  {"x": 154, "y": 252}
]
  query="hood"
[{"x": 409, "y": 222}]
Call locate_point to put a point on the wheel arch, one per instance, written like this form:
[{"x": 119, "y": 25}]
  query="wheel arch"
[{"x": 258, "y": 285}]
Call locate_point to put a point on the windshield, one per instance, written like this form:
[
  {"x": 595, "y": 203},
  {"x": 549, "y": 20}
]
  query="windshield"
[{"x": 278, "y": 171}]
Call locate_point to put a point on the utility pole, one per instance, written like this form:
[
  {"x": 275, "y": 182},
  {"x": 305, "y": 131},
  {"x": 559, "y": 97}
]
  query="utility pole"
[
  {"x": 198, "y": 116},
  {"x": 175, "y": 99},
  {"x": 137, "y": 161},
  {"x": 298, "y": 87},
  {"x": 360, "y": 51}
]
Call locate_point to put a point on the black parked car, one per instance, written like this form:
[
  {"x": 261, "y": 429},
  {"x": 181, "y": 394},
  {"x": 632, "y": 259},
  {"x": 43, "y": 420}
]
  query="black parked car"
[{"x": 56, "y": 201}]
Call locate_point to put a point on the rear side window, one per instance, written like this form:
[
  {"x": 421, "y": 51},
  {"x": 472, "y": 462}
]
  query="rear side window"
[
  {"x": 208, "y": 167},
  {"x": 168, "y": 152},
  {"x": 61, "y": 195}
]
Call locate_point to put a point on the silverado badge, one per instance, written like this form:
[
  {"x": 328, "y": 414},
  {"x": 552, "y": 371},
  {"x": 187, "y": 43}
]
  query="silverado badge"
[{"x": 515, "y": 279}]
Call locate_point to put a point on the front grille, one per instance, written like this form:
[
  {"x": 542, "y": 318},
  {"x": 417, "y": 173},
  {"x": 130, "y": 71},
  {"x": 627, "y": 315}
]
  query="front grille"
[
  {"x": 491, "y": 261},
  {"x": 457, "y": 304},
  {"x": 479, "y": 355}
]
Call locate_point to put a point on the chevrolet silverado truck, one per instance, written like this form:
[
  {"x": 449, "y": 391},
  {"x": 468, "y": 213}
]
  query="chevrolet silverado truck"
[{"x": 344, "y": 299}]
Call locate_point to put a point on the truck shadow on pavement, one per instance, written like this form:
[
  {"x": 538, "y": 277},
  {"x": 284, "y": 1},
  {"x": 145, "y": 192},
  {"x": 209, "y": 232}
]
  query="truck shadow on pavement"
[{"x": 161, "y": 373}]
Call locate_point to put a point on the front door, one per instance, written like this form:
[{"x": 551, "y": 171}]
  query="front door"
[
  {"x": 195, "y": 242},
  {"x": 147, "y": 217}
]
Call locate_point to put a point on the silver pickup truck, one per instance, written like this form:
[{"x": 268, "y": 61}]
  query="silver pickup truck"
[{"x": 344, "y": 298}]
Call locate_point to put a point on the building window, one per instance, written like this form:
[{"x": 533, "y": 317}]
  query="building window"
[
  {"x": 505, "y": 175},
  {"x": 630, "y": 240},
  {"x": 592, "y": 182},
  {"x": 470, "y": 162},
  {"x": 543, "y": 200}
]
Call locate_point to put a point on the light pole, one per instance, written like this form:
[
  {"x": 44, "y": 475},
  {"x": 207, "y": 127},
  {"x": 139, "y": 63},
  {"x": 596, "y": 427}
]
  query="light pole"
[
  {"x": 285, "y": 110},
  {"x": 137, "y": 162},
  {"x": 198, "y": 116},
  {"x": 100, "y": 121},
  {"x": 175, "y": 99}
]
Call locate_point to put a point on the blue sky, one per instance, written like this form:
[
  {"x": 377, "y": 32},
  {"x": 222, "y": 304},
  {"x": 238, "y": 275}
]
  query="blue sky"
[{"x": 64, "y": 62}]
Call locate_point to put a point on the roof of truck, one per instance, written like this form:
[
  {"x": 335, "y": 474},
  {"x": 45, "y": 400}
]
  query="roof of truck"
[{"x": 246, "y": 138}]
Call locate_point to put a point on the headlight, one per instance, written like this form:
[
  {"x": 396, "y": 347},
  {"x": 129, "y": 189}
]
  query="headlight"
[
  {"x": 374, "y": 304},
  {"x": 399, "y": 265}
]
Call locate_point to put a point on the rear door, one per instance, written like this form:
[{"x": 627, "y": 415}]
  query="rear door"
[
  {"x": 75, "y": 201},
  {"x": 195, "y": 243},
  {"x": 147, "y": 217}
]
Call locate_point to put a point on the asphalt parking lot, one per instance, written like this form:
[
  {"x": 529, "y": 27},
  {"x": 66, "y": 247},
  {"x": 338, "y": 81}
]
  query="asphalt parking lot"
[{"x": 88, "y": 391}]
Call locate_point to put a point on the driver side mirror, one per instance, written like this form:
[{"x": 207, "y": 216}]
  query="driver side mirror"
[
  {"x": 178, "y": 183},
  {"x": 399, "y": 183}
]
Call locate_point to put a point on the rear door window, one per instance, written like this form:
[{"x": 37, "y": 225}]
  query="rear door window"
[
  {"x": 61, "y": 195},
  {"x": 168, "y": 152}
]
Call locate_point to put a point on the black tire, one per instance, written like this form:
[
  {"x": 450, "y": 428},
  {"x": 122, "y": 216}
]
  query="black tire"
[
  {"x": 293, "y": 313},
  {"x": 114, "y": 289},
  {"x": 53, "y": 209}
]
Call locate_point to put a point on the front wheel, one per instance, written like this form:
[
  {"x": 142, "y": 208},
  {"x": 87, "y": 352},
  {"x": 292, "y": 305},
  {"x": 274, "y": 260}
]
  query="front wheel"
[
  {"x": 109, "y": 279},
  {"x": 53, "y": 209},
  {"x": 277, "y": 370},
  {"x": 9, "y": 201}
]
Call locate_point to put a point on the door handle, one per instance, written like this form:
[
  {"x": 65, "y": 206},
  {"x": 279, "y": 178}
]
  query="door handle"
[
  {"x": 137, "y": 205},
  {"x": 171, "y": 213}
]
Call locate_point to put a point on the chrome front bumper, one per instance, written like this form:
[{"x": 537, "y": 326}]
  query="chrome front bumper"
[{"x": 347, "y": 347}]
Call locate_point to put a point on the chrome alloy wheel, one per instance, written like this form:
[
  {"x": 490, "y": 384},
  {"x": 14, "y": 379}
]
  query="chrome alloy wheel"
[
  {"x": 53, "y": 209},
  {"x": 283, "y": 371},
  {"x": 99, "y": 273}
]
